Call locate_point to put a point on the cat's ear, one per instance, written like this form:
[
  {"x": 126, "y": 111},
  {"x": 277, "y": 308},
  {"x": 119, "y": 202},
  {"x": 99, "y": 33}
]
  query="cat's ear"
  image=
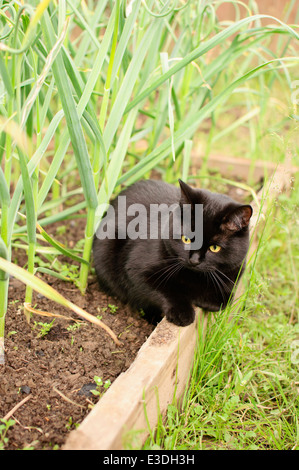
[
  {"x": 187, "y": 193},
  {"x": 237, "y": 219}
]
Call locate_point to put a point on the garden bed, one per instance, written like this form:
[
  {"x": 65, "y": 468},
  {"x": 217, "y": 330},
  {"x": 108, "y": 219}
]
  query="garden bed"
[{"x": 51, "y": 377}]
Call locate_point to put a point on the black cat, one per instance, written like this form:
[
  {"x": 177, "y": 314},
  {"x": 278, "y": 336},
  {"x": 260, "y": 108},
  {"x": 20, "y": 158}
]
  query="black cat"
[{"x": 163, "y": 275}]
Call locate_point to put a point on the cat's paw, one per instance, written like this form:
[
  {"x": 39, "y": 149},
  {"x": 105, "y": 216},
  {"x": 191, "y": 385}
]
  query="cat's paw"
[{"x": 182, "y": 317}]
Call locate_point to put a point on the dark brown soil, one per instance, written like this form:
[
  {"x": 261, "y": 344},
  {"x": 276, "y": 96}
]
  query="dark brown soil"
[{"x": 56, "y": 371}]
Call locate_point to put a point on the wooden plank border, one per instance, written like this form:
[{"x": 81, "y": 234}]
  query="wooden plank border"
[{"x": 161, "y": 369}]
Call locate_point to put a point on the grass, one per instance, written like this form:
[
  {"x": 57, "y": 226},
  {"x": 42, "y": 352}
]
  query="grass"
[{"x": 96, "y": 95}]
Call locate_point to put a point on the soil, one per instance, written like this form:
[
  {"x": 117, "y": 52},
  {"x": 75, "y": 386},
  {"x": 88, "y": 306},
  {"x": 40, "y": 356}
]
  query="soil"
[{"x": 56, "y": 372}]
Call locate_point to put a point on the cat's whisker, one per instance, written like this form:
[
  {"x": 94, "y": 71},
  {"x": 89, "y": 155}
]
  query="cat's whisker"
[
  {"x": 175, "y": 271},
  {"x": 224, "y": 288},
  {"x": 164, "y": 269},
  {"x": 223, "y": 283},
  {"x": 171, "y": 261},
  {"x": 215, "y": 283},
  {"x": 214, "y": 277},
  {"x": 175, "y": 268},
  {"x": 223, "y": 274}
]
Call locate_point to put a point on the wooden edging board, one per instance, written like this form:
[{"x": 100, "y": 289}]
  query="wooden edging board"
[{"x": 160, "y": 372}]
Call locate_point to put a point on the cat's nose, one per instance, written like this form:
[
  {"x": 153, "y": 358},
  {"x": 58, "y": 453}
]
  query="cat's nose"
[{"x": 194, "y": 259}]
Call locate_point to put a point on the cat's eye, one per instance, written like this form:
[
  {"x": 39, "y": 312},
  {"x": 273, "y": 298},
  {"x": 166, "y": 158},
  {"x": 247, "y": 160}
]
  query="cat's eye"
[
  {"x": 215, "y": 248},
  {"x": 186, "y": 240}
]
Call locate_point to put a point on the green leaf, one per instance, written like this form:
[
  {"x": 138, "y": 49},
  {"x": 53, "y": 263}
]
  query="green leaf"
[
  {"x": 72, "y": 117},
  {"x": 65, "y": 251},
  {"x": 5, "y": 77}
]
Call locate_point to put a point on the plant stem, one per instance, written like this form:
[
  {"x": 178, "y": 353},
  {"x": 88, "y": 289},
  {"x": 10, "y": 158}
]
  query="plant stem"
[
  {"x": 34, "y": 179},
  {"x": 104, "y": 105},
  {"x": 89, "y": 232},
  {"x": 4, "y": 224},
  {"x": 28, "y": 294},
  {"x": 3, "y": 309},
  {"x": 4, "y": 279}
]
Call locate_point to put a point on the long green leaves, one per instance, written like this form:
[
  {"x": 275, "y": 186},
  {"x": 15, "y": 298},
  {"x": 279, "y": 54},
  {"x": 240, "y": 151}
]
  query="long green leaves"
[
  {"x": 94, "y": 96},
  {"x": 72, "y": 118},
  {"x": 201, "y": 50}
]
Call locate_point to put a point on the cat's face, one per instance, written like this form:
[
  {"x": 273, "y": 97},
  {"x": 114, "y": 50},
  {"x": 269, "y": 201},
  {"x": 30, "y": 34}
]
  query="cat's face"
[{"x": 224, "y": 232}]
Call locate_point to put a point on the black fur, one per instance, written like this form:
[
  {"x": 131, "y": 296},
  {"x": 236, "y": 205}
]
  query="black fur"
[{"x": 160, "y": 276}]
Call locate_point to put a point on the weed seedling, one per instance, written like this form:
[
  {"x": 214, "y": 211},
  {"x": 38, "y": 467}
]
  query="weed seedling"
[
  {"x": 4, "y": 427},
  {"x": 142, "y": 313},
  {"x": 74, "y": 327},
  {"x": 45, "y": 328},
  {"x": 70, "y": 424},
  {"x": 101, "y": 387},
  {"x": 11, "y": 333},
  {"x": 113, "y": 309}
]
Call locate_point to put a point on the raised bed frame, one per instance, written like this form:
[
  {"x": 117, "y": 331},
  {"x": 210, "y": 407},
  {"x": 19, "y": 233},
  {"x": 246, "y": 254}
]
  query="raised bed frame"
[{"x": 161, "y": 369}]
